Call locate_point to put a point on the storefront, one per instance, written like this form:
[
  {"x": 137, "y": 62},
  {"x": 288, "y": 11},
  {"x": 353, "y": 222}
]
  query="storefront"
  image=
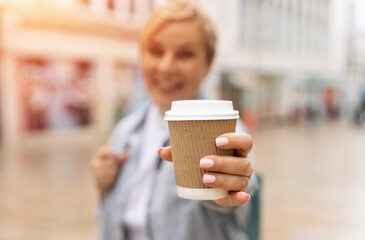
[{"x": 63, "y": 71}]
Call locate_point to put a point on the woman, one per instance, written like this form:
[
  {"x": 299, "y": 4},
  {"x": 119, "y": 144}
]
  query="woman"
[{"x": 138, "y": 198}]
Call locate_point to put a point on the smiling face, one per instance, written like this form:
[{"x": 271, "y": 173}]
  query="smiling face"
[{"x": 174, "y": 63}]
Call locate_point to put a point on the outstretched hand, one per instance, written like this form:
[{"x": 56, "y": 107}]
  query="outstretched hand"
[{"x": 232, "y": 173}]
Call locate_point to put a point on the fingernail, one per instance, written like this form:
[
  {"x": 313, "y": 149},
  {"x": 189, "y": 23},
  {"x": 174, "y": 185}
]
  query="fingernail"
[
  {"x": 244, "y": 196},
  {"x": 221, "y": 141},
  {"x": 209, "y": 178},
  {"x": 206, "y": 163}
]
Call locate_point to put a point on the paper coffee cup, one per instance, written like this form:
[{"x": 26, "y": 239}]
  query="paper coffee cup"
[{"x": 194, "y": 125}]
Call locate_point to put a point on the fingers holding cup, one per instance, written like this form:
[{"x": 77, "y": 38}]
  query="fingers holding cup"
[
  {"x": 226, "y": 181},
  {"x": 227, "y": 164},
  {"x": 242, "y": 143}
]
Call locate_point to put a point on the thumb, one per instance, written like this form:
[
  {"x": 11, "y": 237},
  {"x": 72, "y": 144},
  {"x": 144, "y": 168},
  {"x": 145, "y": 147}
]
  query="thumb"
[
  {"x": 165, "y": 153},
  {"x": 122, "y": 157},
  {"x": 234, "y": 199}
]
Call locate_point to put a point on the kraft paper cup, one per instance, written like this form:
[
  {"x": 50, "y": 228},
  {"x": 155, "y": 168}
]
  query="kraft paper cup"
[{"x": 194, "y": 125}]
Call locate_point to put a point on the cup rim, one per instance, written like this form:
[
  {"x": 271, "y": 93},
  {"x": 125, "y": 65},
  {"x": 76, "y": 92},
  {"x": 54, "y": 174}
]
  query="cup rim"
[{"x": 184, "y": 110}]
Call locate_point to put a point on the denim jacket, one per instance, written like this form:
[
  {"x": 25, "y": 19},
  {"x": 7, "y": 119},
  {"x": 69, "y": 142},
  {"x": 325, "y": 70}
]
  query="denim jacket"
[{"x": 168, "y": 216}]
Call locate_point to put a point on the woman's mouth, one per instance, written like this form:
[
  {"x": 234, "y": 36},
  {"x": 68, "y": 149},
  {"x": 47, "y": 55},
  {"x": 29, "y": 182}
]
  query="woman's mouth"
[{"x": 168, "y": 86}]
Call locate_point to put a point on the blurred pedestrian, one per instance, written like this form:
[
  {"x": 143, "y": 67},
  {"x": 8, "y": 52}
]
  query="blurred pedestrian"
[
  {"x": 332, "y": 108},
  {"x": 250, "y": 119}
]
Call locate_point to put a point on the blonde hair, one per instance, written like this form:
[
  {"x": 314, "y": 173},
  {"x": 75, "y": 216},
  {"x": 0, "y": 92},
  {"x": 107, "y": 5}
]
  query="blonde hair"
[{"x": 181, "y": 10}]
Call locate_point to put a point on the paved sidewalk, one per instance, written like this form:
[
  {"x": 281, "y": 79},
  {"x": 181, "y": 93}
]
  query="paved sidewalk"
[{"x": 313, "y": 186}]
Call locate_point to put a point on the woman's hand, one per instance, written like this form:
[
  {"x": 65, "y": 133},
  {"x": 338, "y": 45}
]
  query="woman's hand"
[
  {"x": 232, "y": 173},
  {"x": 105, "y": 167}
]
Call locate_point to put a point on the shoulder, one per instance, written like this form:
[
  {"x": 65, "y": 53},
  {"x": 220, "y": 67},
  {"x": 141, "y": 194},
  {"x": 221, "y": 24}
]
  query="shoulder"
[
  {"x": 125, "y": 127},
  {"x": 128, "y": 121}
]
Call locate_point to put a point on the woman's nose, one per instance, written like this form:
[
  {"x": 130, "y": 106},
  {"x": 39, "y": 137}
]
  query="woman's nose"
[{"x": 167, "y": 63}]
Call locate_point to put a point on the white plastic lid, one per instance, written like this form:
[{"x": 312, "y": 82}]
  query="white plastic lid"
[{"x": 201, "y": 110}]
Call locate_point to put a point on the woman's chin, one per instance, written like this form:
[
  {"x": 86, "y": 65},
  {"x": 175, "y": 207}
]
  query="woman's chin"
[
  {"x": 164, "y": 100},
  {"x": 163, "y": 103}
]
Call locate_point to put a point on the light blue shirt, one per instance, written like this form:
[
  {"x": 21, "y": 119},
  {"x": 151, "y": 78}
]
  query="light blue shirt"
[{"x": 168, "y": 216}]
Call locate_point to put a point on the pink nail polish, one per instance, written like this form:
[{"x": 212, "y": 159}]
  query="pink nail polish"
[
  {"x": 206, "y": 163},
  {"x": 221, "y": 141},
  {"x": 209, "y": 178},
  {"x": 246, "y": 196}
]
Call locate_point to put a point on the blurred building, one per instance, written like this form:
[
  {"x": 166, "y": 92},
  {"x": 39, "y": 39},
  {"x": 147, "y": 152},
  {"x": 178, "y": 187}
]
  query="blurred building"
[
  {"x": 73, "y": 64},
  {"x": 66, "y": 65},
  {"x": 279, "y": 58},
  {"x": 360, "y": 51},
  {"x": 357, "y": 73}
]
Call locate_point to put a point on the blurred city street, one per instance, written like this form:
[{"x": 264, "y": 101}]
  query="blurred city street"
[
  {"x": 312, "y": 182},
  {"x": 47, "y": 191},
  {"x": 295, "y": 71},
  {"x": 312, "y": 185}
]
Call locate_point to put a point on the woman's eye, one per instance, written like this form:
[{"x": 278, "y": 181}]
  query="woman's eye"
[{"x": 185, "y": 55}]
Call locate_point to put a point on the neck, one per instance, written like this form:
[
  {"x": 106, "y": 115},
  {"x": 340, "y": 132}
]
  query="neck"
[{"x": 162, "y": 110}]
